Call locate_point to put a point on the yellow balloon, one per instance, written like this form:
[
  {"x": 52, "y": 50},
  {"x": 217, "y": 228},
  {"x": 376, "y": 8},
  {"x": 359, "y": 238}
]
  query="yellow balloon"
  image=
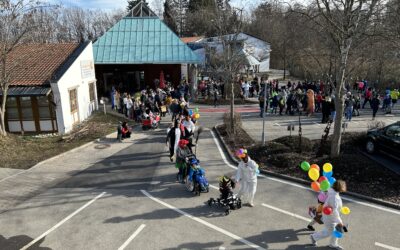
[
  {"x": 327, "y": 167},
  {"x": 197, "y": 116},
  {"x": 313, "y": 174},
  {"x": 345, "y": 210}
]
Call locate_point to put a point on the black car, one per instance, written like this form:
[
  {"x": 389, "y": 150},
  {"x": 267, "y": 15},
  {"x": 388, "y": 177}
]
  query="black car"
[{"x": 386, "y": 140}]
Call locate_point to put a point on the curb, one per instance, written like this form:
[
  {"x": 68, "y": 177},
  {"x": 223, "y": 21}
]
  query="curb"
[{"x": 300, "y": 181}]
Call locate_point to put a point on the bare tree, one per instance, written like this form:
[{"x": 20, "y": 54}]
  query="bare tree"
[
  {"x": 16, "y": 28},
  {"x": 225, "y": 55},
  {"x": 344, "y": 21}
]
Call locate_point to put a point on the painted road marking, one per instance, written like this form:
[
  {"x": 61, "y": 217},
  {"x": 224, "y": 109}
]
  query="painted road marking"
[
  {"x": 277, "y": 124},
  {"x": 286, "y": 212},
  {"x": 216, "y": 228},
  {"x": 126, "y": 243},
  {"x": 278, "y": 209},
  {"x": 62, "y": 222},
  {"x": 317, "y": 123},
  {"x": 298, "y": 185},
  {"x": 386, "y": 246},
  {"x": 391, "y": 120}
]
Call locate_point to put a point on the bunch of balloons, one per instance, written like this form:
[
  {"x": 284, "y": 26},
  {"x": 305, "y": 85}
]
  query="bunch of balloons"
[
  {"x": 323, "y": 183},
  {"x": 195, "y": 114},
  {"x": 241, "y": 153},
  {"x": 320, "y": 183}
]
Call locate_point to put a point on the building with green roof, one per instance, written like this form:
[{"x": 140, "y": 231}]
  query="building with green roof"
[{"x": 134, "y": 52}]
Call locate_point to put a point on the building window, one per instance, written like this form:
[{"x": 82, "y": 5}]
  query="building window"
[
  {"x": 12, "y": 109},
  {"x": 43, "y": 106},
  {"x": 73, "y": 100},
  {"x": 26, "y": 108},
  {"x": 91, "y": 91}
]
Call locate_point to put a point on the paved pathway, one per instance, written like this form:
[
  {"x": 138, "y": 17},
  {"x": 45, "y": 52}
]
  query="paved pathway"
[{"x": 125, "y": 197}]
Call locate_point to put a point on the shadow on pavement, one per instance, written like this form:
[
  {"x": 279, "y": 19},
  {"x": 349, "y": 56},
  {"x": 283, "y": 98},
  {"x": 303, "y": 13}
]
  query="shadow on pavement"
[
  {"x": 195, "y": 245},
  {"x": 19, "y": 241},
  {"x": 167, "y": 214}
]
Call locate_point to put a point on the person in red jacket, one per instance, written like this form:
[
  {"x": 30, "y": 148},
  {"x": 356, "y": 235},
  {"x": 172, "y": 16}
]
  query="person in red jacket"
[
  {"x": 368, "y": 97},
  {"x": 126, "y": 133}
]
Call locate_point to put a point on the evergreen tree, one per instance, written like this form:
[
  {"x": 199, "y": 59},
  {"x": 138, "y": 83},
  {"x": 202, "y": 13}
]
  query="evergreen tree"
[
  {"x": 133, "y": 3},
  {"x": 169, "y": 15},
  {"x": 195, "y": 5}
]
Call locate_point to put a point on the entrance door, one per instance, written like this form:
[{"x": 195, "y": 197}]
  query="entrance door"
[{"x": 73, "y": 101}]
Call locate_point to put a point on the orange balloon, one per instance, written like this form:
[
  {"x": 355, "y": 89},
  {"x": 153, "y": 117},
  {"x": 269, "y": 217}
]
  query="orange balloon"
[
  {"x": 315, "y": 166},
  {"x": 315, "y": 186}
]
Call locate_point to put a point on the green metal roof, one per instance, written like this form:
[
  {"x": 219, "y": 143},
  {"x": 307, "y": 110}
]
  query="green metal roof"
[{"x": 143, "y": 40}]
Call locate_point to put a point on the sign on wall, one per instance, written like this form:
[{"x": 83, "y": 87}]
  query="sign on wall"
[{"x": 87, "y": 69}]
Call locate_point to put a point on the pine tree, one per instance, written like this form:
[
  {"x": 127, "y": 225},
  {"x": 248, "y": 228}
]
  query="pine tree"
[
  {"x": 169, "y": 15},
  {"x": 195, "y": 5},
  {"x": 133, "y": 3}
]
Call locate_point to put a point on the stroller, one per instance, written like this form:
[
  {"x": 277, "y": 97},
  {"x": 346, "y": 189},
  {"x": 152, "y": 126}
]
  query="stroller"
[
  {"x": 227, "y": 199},
  {"x": 196, "y": 181},
  {"x": 150, "y": 121}
]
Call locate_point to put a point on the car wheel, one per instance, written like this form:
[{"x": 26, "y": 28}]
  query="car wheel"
[{"x": 370, "y": 147}]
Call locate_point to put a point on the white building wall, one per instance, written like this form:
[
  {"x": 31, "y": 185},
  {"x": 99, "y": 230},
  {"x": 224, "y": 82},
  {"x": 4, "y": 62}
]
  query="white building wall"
[{"x": 71, "y": 79}]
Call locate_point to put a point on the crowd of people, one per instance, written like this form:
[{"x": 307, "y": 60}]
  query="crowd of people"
[
  {"x": 140, "y": 105},
  {"x": 291, "y": 99},
  {"x": 311, "y": 97}
]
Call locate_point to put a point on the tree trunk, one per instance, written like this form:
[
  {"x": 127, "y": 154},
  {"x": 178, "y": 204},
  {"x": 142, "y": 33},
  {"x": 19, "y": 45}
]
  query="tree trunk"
[
  {"x": 2, "y": 115},
  {"x": 339, "y": 101},
  {"x": 4, "y": 88}
]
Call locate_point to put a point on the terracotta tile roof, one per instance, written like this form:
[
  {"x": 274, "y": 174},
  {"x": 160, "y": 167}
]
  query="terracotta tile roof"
[
  {"x": 35, "y": 64},
  {"x": 191, "y": 39}
]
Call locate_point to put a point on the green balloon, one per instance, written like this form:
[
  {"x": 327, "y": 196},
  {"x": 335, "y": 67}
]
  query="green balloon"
[
  {"x": 196, "y": 110},
  {"x": 305, "y": 166},
  {"x": 325, "y": 185}
]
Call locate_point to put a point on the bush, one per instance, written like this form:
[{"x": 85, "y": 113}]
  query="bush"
[{"x": 292, "y": 142}]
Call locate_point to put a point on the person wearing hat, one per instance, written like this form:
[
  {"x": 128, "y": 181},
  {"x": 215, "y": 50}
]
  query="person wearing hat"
[
  {"x": 182, "y": 153},
  {"x": 246, "y": 175}
]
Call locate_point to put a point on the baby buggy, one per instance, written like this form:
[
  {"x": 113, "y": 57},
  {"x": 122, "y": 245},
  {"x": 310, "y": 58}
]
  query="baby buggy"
[
  {"x": 150, "y": 121},
  {"x": 227, "y": 199},
  {"x": 196, "y": 181}
]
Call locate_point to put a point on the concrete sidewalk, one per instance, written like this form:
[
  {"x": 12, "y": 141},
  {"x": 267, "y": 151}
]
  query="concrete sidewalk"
[{"x": 25, "y": 184}]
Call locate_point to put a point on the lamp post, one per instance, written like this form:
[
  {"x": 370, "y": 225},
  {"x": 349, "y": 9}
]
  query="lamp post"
[{"x": 264, "y": 106}]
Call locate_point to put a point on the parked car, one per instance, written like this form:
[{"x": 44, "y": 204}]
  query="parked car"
[{"x": 386, "y": 140}]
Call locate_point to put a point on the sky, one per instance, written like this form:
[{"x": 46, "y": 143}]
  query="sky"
[{"x": 156, "y": 5}]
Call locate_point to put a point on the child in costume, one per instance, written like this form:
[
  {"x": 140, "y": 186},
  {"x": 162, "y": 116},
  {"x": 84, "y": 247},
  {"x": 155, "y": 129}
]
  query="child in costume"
[
  {"x": 332, "y": 221},
  {"x": 247, "y": 176},
  {"x": 226, "y": 185}
]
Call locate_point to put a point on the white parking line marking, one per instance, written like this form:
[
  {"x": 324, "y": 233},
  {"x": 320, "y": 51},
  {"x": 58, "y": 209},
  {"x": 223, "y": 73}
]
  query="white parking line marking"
[
  {"x": 62, "y": 222},
  {"x": 317, "y": 123},
  {"x": 286, "y": 212},
  {"x": 386, "y": 246},
  {"x": 126, "y": 243},
  {"x": 300, "y": 186},
  {"x": 391, "y": 120},
  {"x": 216, "y": 228},
  {"x": 277, "y": 124},
  {"x": 221, "y": 248}
]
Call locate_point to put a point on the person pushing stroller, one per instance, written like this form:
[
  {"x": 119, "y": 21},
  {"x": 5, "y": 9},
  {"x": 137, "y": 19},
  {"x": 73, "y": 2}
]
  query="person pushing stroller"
[{"x": 182, "y": 154}]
